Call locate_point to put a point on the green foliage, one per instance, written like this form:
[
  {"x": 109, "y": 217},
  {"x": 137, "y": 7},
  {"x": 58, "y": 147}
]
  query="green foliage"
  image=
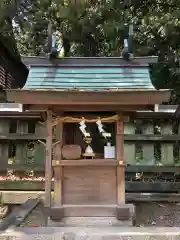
[{"x": 97, "y": 28}]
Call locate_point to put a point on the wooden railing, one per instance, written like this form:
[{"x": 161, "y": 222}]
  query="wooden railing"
[
  {"x": 152, "y": 139},
  {"x": 149, "y": 139},
  {"x": 19, "y": 135},
  {"x": 151, "y": 148}
]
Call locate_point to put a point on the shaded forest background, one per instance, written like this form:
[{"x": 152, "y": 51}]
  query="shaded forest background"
[{"x": 97, "y": 28}]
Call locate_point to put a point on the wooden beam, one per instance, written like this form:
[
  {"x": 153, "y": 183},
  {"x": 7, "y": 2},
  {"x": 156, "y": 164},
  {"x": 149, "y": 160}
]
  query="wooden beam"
[
  {"x": 58, "y": 171},
  {"x": 22, "y": 115},
  {"x": 37, "y": 107},
  {"x": 91, "y": 108},
  {"x": 58, "y": 186},
  {"x": 21, "y": 136},
  {"x": 152, "y": 137},
  {"x": 120, "y": 159},
  {"x": 151, "y": 115},
  {"x": 19, "y": 197},
  {"x": 88, "y": 162},
  {"x": 85, "y": 162},
  {"x": 131, "y": 186},
  {"x": 127, "y": 137},
  {"x": 103, "y": 108},
  {"x": 130, "y": 111},
  {"x": 48, "y": 165},
  {"x": 108, "y": 98},
  {"x": 152, "y": 169}
]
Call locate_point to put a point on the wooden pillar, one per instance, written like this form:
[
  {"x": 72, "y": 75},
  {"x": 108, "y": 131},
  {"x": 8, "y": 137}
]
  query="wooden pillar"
[
  {"x": 48, "y": 165},
  {"x": 58, "y": 168},
  {"x": 120, "y": 160}
]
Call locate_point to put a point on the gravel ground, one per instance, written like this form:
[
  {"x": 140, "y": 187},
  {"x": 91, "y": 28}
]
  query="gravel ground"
[
  {"x": 158, "y": 214},
  {"x": 147, "y": 214}
]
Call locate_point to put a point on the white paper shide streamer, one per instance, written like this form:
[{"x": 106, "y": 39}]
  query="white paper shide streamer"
[
  {"x": 83, "y": 128},
  {"x": 101, "y": 129}
]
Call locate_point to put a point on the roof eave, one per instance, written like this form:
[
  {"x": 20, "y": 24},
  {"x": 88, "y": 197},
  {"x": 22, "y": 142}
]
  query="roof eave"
[{"x": 55, "y": 97}]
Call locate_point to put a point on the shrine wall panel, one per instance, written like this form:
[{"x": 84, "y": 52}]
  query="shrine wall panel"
[{"x": 89, "y": 185}]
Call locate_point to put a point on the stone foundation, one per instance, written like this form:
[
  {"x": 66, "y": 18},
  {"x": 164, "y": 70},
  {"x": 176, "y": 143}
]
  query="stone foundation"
[
  {"x": 123, "y": 212},
  {"x": 90, "y": 222}
]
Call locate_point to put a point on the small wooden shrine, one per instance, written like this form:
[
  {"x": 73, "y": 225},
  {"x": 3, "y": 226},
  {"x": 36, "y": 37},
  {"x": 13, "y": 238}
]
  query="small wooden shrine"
[{"x": 85, "y": 102}]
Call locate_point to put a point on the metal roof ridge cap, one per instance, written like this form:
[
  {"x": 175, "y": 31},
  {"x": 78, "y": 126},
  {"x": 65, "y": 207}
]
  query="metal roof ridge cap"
[
  {"x": 44, "y": 57},
  {"x": 88, "y": 60},
  {"x": 86, "y": 91},
  {"x": 82, "y": 90},
  {"x": 128, "y": 65}
]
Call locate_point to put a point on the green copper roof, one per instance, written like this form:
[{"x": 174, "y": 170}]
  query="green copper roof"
[{"x": 90, "y": 78}]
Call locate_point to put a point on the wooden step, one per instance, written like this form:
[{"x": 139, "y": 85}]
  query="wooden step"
[
  {"x": 86, "y": 210},
  {"x": 121, "y": 212}
]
